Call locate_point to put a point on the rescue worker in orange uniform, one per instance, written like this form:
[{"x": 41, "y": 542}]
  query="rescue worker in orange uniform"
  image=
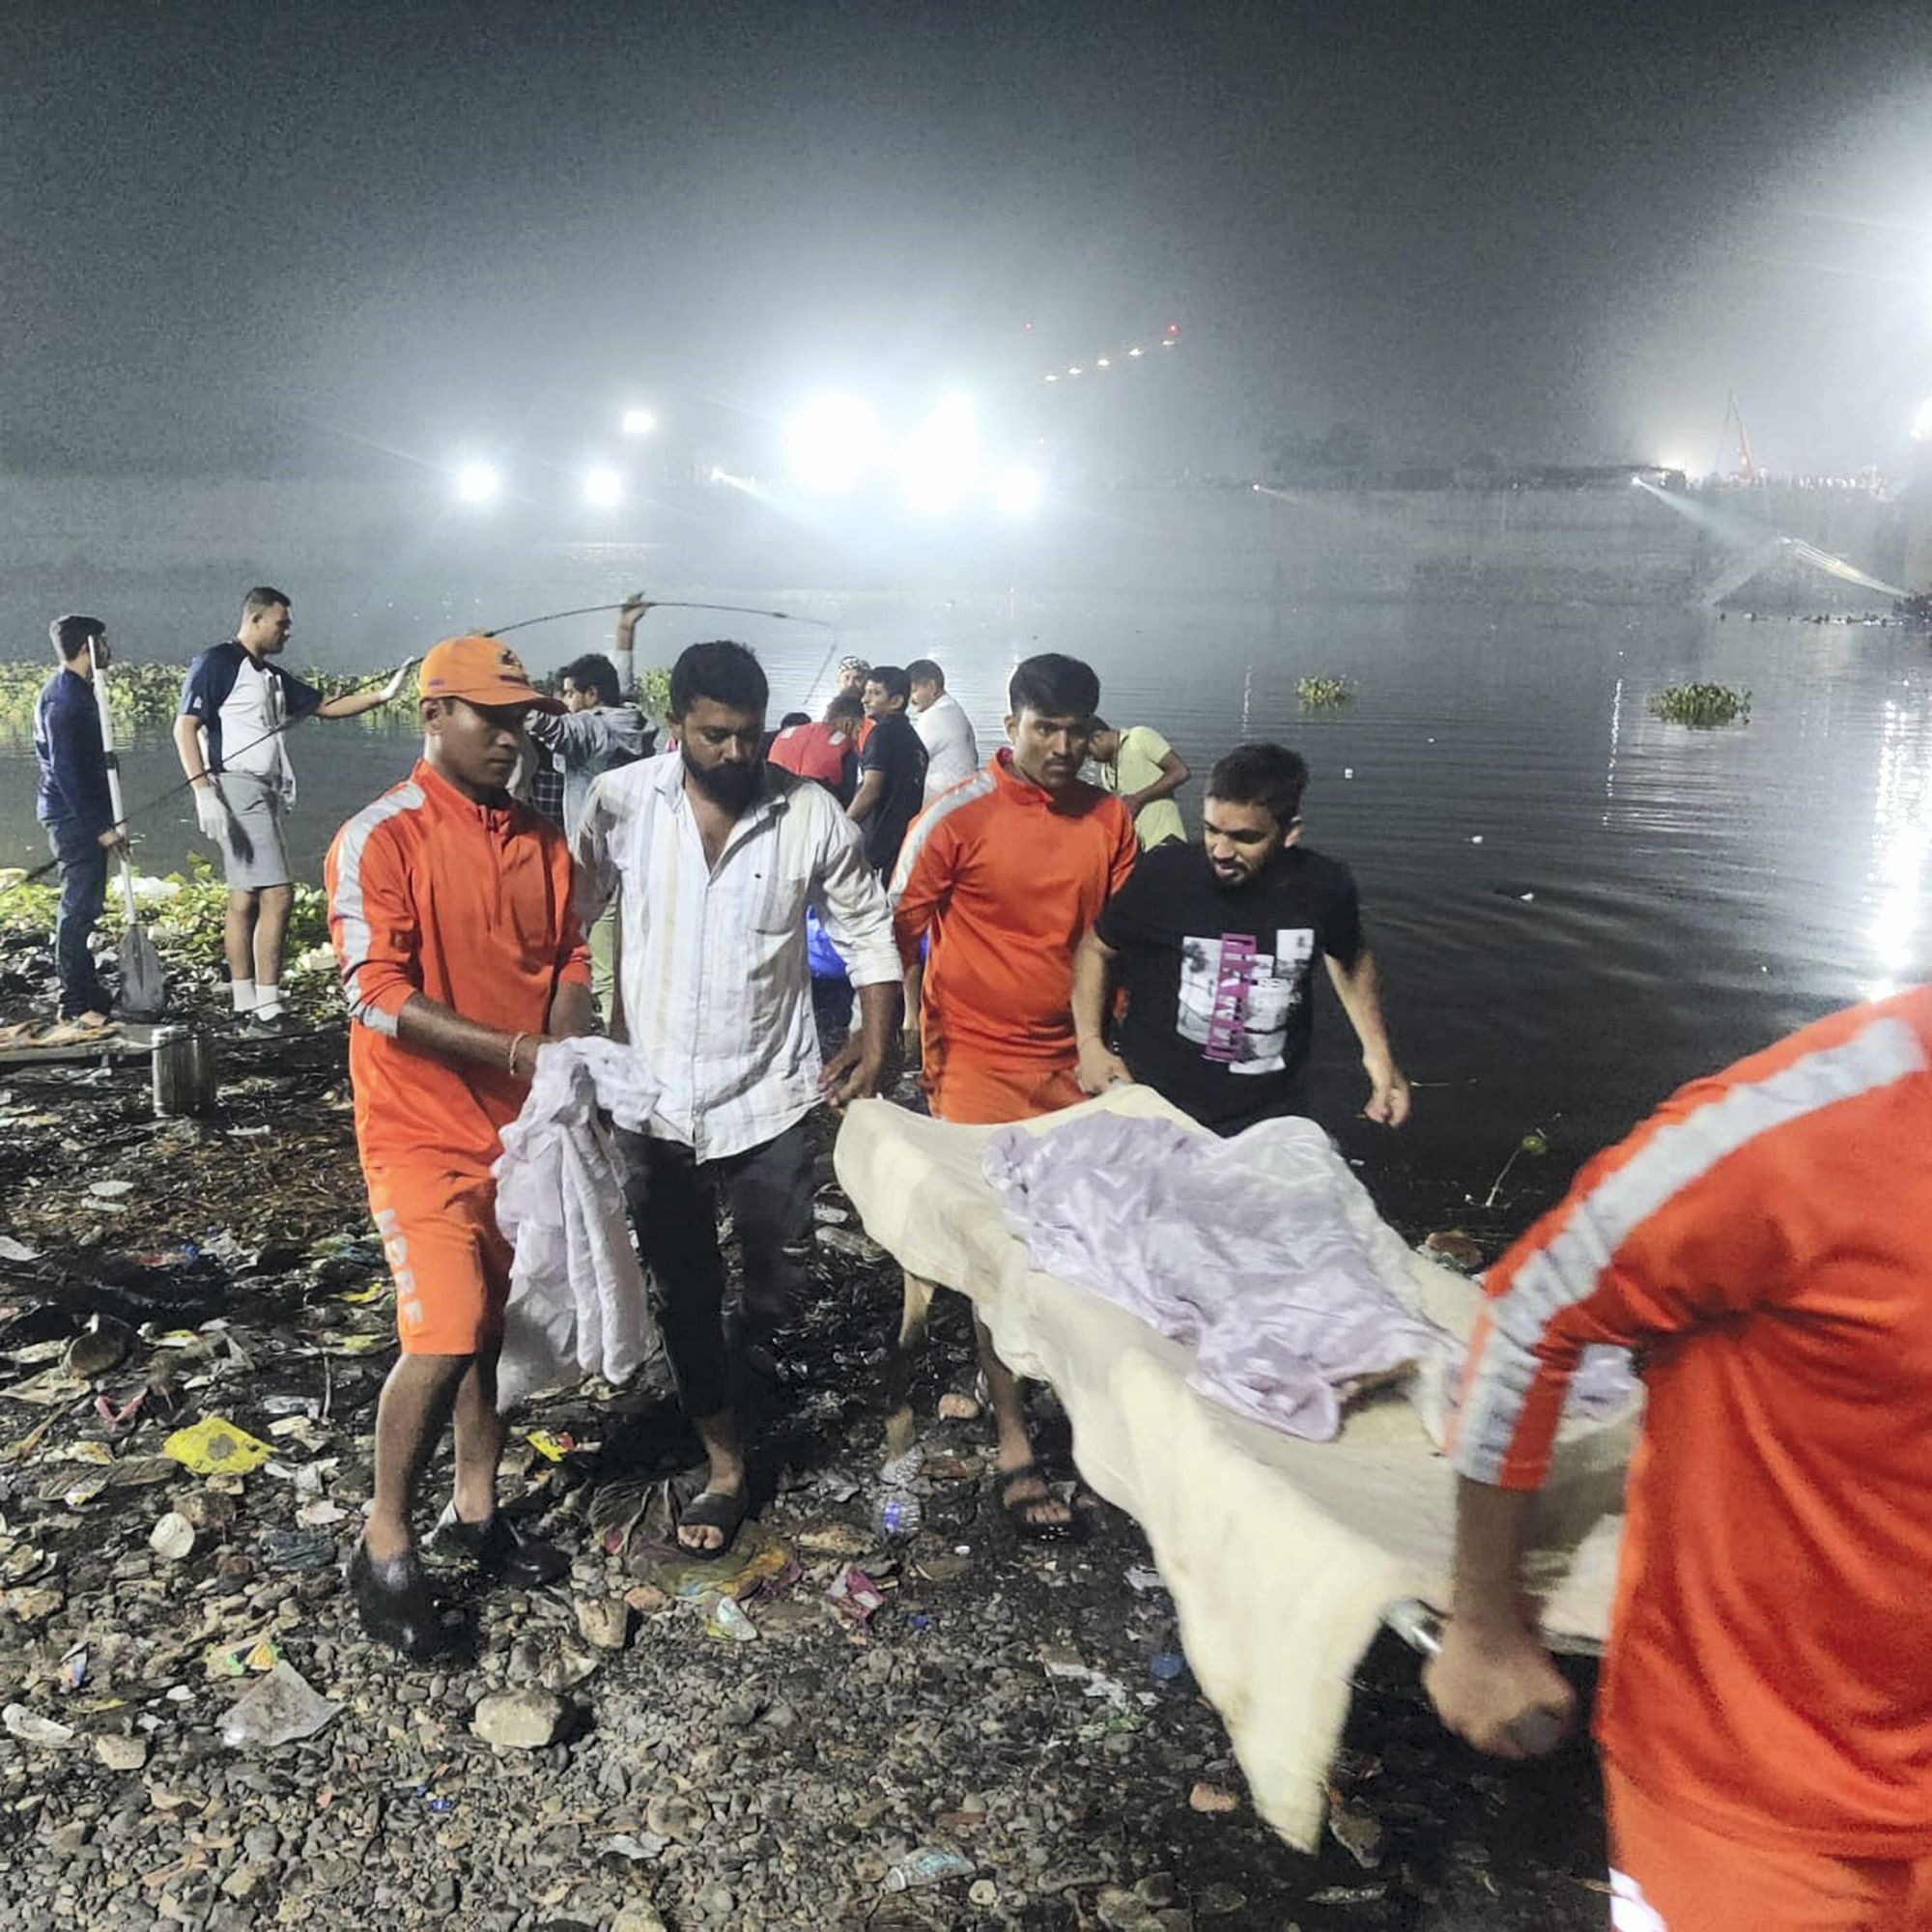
[
  {"x": 1007, "y": 872},
  {"x": 450, "y": 907},
  {"x": 1765, "y": 1716}
]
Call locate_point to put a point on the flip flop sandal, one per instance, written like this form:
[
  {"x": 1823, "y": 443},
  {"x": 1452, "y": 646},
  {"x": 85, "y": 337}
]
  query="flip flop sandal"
[
  {"x": 19, "y": 1033},
  {"x": 723, "y": 1510},
  {"x": 1016, "y": 1507}
]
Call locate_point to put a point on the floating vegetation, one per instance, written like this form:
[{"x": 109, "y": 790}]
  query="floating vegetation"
[
  {"x": 1701, "y": 707},
  {"x": 1324, "y": 694},
  {"x": 1535, "y": 1143},
  {"x": 653, "y": 693}
]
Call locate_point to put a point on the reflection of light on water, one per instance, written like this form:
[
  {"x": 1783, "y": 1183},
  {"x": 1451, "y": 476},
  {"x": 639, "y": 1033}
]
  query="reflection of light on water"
[
  {"x": 1616, "y": 734},
  {"x": 1901, "y": 839}
]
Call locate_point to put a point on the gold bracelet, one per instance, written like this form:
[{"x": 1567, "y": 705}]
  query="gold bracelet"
[{"x": 514, "y": 1046}]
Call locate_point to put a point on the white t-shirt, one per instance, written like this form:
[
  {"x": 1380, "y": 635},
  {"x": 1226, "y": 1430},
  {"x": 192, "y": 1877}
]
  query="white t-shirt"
[{"x": 951, "y": 753}]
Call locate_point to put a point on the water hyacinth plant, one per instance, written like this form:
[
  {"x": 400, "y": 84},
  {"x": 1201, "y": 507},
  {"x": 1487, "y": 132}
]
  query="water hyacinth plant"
[
  {"x": 1324, "y": 694},
  {"x": 182, "y": 911},
  {"x": 1704, "y": 707},
  {"x": 146, "y": 697}
]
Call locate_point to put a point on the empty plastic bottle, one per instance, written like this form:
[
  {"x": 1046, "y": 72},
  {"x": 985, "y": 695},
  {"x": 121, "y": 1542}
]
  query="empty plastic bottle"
[
  {"x": 898, "y": 1513},
  {"x": 928, "y": 1868}
]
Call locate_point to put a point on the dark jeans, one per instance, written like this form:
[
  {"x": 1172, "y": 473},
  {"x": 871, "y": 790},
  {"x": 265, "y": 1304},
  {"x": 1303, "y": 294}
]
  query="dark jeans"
[
  {"x": 83, "y": 877},
  {"x": 673, "y": 1199}
]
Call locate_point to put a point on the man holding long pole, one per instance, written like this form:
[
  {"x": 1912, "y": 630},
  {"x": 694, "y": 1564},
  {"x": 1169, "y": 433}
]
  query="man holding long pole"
[{"x": 236, "y": 705}]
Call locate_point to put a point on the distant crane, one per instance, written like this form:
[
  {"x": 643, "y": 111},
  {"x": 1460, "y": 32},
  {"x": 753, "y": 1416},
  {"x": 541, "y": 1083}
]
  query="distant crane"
[{"x": 1747, "y": 467}]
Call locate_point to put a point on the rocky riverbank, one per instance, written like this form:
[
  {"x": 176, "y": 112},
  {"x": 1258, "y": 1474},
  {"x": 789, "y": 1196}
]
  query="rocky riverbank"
[{"x": 950, "y": 1729}]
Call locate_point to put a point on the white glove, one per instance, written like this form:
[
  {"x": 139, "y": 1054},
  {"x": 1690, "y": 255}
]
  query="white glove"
[
  {"x": 393, "y": 690},
  {"x": 211, "y": 810}
]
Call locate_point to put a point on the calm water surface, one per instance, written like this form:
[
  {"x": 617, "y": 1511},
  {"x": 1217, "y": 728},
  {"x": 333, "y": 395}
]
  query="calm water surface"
[{"x": 1576, "y": 907}]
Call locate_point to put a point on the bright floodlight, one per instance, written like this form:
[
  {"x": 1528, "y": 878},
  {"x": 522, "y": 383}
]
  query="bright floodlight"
[
  {"x": 833, "y": 441},
  {"x": 1018, "y": 492},
  {"x": 1921, "y": 423},
  {"x": 941, "y": 459},
  {"x": 478, "y": 483},
  {"x": 639, "y": 422},
  {"x": 603, "y": 488}
]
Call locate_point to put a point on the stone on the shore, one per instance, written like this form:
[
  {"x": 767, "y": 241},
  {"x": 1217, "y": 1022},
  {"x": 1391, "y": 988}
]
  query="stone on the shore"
[
  {"x": 604, "y": 1621},
  {"x": 520, "y": 1719},
  {"x": 1126, "y": 1912},
  {"x": 119, "y": 1753},
  {"x": 636, "y": 1918}
]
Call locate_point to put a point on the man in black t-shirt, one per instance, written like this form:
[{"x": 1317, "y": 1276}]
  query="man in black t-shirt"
[
  {"x": 891, "y": 769},
  {"x": 1214, "y": 945}
]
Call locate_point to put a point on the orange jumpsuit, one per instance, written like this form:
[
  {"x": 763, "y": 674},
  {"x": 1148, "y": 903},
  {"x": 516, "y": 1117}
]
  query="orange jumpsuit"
[
  {"x": 468, "y": 904},
  {"x": 1765, "y": 1240},
  {"x": 1007, "y": 878}
]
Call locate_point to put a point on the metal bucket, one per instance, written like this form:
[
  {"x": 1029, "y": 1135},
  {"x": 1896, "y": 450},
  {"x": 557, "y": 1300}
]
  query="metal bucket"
[{"x": 183, "y": 1067}]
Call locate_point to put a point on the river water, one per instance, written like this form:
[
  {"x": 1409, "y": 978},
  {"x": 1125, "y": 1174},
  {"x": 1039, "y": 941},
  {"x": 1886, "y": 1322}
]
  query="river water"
[{"x": 1576, "y": 907}]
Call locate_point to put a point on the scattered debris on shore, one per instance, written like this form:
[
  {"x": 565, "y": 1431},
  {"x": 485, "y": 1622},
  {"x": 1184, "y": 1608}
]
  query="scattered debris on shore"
[{"x": 835, "y": 1726}]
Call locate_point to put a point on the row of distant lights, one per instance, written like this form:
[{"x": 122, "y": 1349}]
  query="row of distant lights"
[
  {"x": 833, "y": 445},
  {"x": 1134, "y": 355},
  {"x": 602, "y": 484}
]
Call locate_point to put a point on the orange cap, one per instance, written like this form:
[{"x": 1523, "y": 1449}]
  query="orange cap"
[{"x": 483, "y": 670}]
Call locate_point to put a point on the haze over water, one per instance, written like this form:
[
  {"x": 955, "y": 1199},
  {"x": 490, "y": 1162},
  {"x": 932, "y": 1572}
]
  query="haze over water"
[{"x": 1691, "y": 894}]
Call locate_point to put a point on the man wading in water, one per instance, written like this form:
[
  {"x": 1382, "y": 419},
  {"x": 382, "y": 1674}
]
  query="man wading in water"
[{"x": 1215, "y": 946}]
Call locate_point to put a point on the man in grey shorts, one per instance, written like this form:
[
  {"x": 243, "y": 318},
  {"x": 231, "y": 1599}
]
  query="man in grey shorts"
[{"x": 236, "y": 707}]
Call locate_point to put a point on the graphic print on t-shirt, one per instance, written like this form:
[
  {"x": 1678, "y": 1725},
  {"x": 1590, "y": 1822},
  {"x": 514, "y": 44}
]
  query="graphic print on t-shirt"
[{"x": 1236, "y": 1002}]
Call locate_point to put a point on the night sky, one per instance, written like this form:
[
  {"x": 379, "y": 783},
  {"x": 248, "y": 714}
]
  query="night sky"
[{"x": 257, "y": 237}]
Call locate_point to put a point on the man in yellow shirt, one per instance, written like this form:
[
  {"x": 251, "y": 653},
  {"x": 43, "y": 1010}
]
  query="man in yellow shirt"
[{"x": 1145, "y": 771}]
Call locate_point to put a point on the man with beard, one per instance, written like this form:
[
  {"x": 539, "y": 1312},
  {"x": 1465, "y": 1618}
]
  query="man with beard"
[
  {"x": 711, "y": 855},
  {"x": 1007, "y": 872},
  {"x": 1215, "y": 944}
]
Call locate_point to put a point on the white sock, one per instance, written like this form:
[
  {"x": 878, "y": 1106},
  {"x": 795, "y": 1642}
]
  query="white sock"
[
  {"x": 242, "y": 993},
  {"x": 268, "y": 1000}
]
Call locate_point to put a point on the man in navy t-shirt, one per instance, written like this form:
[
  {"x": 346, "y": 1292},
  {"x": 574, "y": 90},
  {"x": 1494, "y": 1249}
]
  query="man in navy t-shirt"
[
  {"x": 75, "y": 806},
  {"x": 1214, "y": 945}
]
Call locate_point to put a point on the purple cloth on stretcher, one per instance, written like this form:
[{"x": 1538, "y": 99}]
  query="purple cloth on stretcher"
[{"x": 1240, "y": 1249}]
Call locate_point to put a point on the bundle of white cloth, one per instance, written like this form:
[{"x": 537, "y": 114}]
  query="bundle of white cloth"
[{"x": 578, "y": 1304}]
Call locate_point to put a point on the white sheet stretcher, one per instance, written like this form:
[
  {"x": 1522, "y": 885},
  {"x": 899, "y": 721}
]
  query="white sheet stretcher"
[{"x": 1281, "y": 1554}]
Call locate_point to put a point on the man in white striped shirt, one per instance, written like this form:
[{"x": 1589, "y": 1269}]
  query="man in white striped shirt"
[{"x": 712, "y": 856}]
